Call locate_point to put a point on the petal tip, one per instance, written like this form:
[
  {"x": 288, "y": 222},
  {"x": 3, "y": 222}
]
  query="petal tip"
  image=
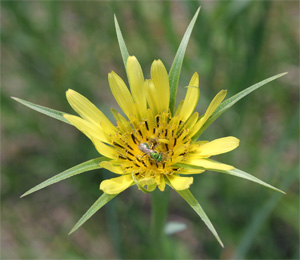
[
  {"x": 132, "y": 57},
  {"x": 70, "y": 92}
]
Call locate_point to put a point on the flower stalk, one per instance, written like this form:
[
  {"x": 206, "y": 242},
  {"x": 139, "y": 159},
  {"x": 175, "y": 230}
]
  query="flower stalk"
[{"x": 159, "y": 212}]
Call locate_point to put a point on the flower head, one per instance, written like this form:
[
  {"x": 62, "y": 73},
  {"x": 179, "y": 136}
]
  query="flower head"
[{"x": 150, "y": 146}]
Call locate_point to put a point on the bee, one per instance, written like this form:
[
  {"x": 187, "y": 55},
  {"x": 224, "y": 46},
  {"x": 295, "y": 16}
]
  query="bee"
[{"x": 144, "y": 147}]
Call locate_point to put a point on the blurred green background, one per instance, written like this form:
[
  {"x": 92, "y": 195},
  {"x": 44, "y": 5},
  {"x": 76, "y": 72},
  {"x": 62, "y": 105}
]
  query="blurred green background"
[{"x": 50, "y": 46}]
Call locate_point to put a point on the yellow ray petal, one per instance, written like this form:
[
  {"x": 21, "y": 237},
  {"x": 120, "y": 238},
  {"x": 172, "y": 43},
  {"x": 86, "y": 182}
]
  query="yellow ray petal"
[
  {"x": 146, "y": 181},
  {"x": 136, "y": 81},
  {"x": 214, "y": 104},
  {"x": 116, "y": 185},
  {"x": 87, "y": 110},
  {"x": 180, "y": 183},
  {"x": 152, "y": 96},
  {"x": 121, "y": 94},
  {"x": 192, "y": 121},
  {"x": 151, "y": 187},
  {"x": 104, "y": 149},
  {"x": 109, "y": 166},
  {"x": 179, "y": 107},
  {"x": 160, "y": 78},
  {"x": 123, "y": 124},
  {"x": 115, "y": 114},
  {"x": 91, "y": 130},
  {"x": 208, "y": 164},
  {"x": 191, "y": 98},
  {"x": 189, "y": 171},
  {"x": 157, "y": 179},
  {"x": 211, "y": 108},
  {"x": 161, "y": 183},
  {"x": 218, "y": 146}
]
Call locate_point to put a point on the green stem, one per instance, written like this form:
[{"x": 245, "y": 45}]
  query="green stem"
[{"x": 159, "y": 203}]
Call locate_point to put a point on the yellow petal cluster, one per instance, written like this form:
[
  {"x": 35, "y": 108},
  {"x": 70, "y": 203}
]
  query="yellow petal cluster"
[{"x": 150, "y": 147}]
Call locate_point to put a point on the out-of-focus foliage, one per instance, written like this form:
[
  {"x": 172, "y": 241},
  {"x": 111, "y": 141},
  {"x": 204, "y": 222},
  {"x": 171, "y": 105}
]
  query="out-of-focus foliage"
[{"x": 50, "y": 46}]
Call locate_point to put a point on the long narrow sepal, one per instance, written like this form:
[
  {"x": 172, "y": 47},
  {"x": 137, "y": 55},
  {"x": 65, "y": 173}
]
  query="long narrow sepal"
[
  {"x": 44, "y": 110},
  {"x": 231, "y": 101},
  {"x": 247, "y": 176},
  {"x": 235, "y": 172},
  {"x": 104, "y": 198},
  {"x": 80, "y": 168},
  {"x": 190, "y": 199},
  {"x": 177, "y": 63},
  {"x": 122, "y": 45}
]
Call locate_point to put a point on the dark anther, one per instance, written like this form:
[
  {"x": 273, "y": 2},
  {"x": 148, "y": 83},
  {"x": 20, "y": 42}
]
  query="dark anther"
[
  {"x": 157, "y": 121},
  {"x": 129, "y": 146},
  {"x": 133, "y": 138},
  {"x": 175, "y": 140},
  {"x": 167, "y": 147},
  {"x": 181, "y": 154},
  {"x": 136, "y": 164},
  {"x": 180, "y": 134},
  {"x": 140, "y": 133},
  {"x": 130, "y": 153},
  {"x": 122, "y": 157},
  {"x": 116, "y": 144},
  {"x": 164, "y": 165},
  {"x": 146, "y": 124},
  {"x": 144, "y": 163},
  {"x": 166, "y": 133}
]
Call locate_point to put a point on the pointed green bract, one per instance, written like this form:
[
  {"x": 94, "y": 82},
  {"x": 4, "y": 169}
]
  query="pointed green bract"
[
  {"x": 235, "y": 172},
  {"x": 104, "y": 198},
  {"x": 231, "y": 101},
  {"x": 44, "y": 110},
  {"x": 122, "y": 45},
  {"x": 247, "y": 176},
  {"x": 175, "y": 70},
  {"x": 190, "y": 199},
  {"x": 80, "y": 168}
]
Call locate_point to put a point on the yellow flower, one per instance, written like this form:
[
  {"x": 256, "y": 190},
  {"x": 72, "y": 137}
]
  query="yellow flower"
[{"x": 150, "y": 147}]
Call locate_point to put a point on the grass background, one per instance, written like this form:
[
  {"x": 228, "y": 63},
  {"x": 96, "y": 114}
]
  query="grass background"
[{"x": 50, "y": 46}]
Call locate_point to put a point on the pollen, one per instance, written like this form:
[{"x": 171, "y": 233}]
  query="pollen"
[{"x": 162, "y": 134}]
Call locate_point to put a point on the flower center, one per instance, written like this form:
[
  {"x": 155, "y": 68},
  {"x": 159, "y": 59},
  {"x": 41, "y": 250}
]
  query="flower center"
[{"x": 150, "y": 147}]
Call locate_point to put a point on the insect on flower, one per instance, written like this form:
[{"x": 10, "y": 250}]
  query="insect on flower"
[{"x": 144, "y": 147}]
